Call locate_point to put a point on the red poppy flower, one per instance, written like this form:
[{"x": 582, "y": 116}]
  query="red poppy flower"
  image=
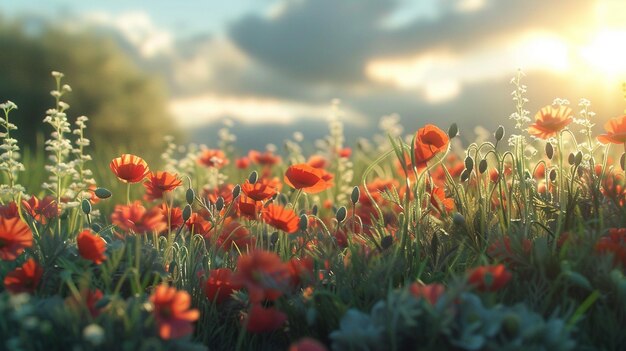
[
  {"x": 429, "y": 141},
  {"x": 501, "y": 250},
  {"x": 91, "y": 246},
  {"x": 345, "y": 152},
  {"x": 197, "y": 224},
  {"x": 129, "y": 168},
  {"x": 248, "y": 207},
  {"x": 242, "y": 163},
  {"x": 310, "y": 180},
  {"x": 88, "y": 298},
  {"x": 439, "y": 200},
  {"x": 264, "y": 320},
  {"x": 430, "y": 292},
  {"x": 172, "y": 215},
  {"x": 172, "y": 312},
  {"x": 235, "y": 234},
  {"x": 262, "y": 190},
  {"x": 263, "y": 274},
  {"x": 24, "y": 279},
  {"x": 281, "y": 218},
  {"x": 266, "y": 158},
  {"x": 15, "y": 236},
  {"x": 225, "y": 191},
  {"x": 301, "y": 270},
  {"x": 42, "y": 210},
  {"x": 615, "y": 244},
  {"x": 489, "y": 278},
  {"x": 9, "y": 210},
  {"x": 219, "y": 286},
  {"x": 136, "y": 218},
  {"x": 213, "y": 158},
  {"x": 307, "y": 344},
  {"x": 615, "y": 131},
  {"x": 317, "y": 161},
  {"x": 160, "y": 182},
  {"x": 550, "y": 120}
]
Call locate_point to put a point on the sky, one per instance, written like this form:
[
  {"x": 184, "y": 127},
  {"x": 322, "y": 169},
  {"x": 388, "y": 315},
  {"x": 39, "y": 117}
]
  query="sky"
[{"x": 277, "y": 64}]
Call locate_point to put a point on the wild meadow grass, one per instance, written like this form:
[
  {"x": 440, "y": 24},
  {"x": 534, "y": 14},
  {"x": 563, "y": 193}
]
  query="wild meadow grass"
[{"x": 401, "y": 243}]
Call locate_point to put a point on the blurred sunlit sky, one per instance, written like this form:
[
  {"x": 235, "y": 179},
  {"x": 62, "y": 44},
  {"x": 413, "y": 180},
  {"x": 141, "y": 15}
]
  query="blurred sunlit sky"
[{"x": 281, "y": 62}]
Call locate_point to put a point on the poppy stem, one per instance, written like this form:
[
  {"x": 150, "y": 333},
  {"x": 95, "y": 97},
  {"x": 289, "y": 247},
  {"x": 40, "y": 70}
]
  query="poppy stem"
[{"x": 128, "y": 193}]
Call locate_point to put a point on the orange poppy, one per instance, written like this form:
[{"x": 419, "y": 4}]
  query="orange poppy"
[
  {"x": 615, "y": 244},
  {"x": 88, "y": 298},
  {"x": 219, "y": 286},
  {"x": 307, "y": 344},
  {"x": 9, "y": 210},
  {"x": 615, "y": 131},
  {"x": 172, "y": 311},
  {"x": 43, "y": 210},
  {"x": 248, "y": 207},
  {"x": 281, "y": 218},
  {"x": 24, "y": 279},
  {"x": 550, "y": 120},
  {"x": 263, "y": 274},
  {"x": 160, "y": 182},
  {"x": 489, "y": 278},
  {"x": 197, "y": 224},
  {"x": 429, "y": 141},
  {"x": 317, "y": 161},
  {"x": 264, "y": 320},
  {"x": 242, "y": 162},
  {"x": 91, "y": 246},
  {"x": 262, "y": 190},
  {"x": 430, "y": 292},
  {"x": 213, "y": 158},
  {"x": 225, "y": 191},
  {"x": 310, "y": 180},
  {"x": 234, "y": 234},
  {"x": 301, "y": 270},
  {"x": 15, "y": 237},
  {"x": 439, "y": 200},
  {"x": 266, "y": 158},
  {"x": 175, "y": 215},
  {"x": 136, "y": 218},
  {"x": 129, "y": 168}
]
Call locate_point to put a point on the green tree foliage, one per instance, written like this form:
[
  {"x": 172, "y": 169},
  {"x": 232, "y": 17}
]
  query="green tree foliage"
[{"x": 126, "y": 106}]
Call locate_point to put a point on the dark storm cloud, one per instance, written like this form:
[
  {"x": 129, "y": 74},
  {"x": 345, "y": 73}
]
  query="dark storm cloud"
[{"x": 329, "y": 40}]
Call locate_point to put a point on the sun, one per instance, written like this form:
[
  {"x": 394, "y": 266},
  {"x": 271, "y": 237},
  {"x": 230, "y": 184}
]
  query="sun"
[{"x": 606, "y": 53}]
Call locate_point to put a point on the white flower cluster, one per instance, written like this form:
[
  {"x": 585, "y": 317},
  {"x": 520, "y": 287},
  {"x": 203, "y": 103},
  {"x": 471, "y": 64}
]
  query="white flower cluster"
[
  {"x": 520, "y": 116},
  {"x": 83, "y": 177},
  {"x": 390, "y": 126},
  {"x": 9, "y": 158},
  {"x": 334, "y": 143}
]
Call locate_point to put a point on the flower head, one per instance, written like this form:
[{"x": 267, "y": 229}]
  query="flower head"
[
  {"x": 281, "y": 218},
  {"x": 160, "y": 182},
  {"x": 615, "y": 131},
  {"x": 429, "y": 141},
  {"x": 263, "y": 274},
  {"x": 430, "y": 292},
  {"x": 262, "y": 190},
  {"x": 219, "y": 286},
  {"x": 213, "y": 158},
  {"x": 172, "y": 311},
  {"x": 24, "y": 279},
  {"x": 489, "y": 278},
  {"x": 91, "y": 246},
  {"x": 43, "y": 210},
  {"x": 15, "y": 236},
  {"x": 263, "y": 320},
  {"x": 550, "y": 120},
  {"x": 129, "y": 168},
  {"x": 311, "y": 180},
  {"x": 136, "y": 218}
]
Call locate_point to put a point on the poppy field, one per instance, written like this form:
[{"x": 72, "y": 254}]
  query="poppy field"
[{"x": 418, "y": 242}]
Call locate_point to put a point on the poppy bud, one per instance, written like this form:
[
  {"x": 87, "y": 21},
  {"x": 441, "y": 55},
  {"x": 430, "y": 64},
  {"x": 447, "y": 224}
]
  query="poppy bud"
[
  {"x": 103, "y": 193},
  {"x": 314, "y": 210},
  {"x": 85, "y": 206},
  {"x": 482, "y": 166},
  {"x": 571, "y": 159},
  {"x": 622, "y": 161},
  {"x": 304, "y": 223},
  {"x": 553, "y": 175},
  {"x": 356, "y": 193},
  {"x": 219, "y": 204},
  {"x": 186, "y": 212},
  {"x": 189, "y": 196},
  {"x": 499, "y": 134},
  {"x": 274, "y": 238},
  {"x": 469, "y": 163},
  {"x": 549, "y": 150},
  {"x": 386, "y": 242},
  {"x": 465, "y": 175},
  {"x": 341, "y": 214},
  {"x": 578, "y": 158},
  {"x": 236, "y": 191},
  {"x": 253, "y": 177},
  {"x": 282, "y": 199},
  {"x": 453, "y": 131},
  {"x": 458, "y": 219}
]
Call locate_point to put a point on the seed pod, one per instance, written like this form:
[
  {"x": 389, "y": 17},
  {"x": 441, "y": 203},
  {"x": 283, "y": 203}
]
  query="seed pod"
[
  {"x": 482, "y": 166},
  {"x": 190, "y": 195},
  {"x": 236, "y": 191},
  {"x": 386, "y": 242},
  {"x": 571, "y": 159},
  {"x": 499, "y": 134},
  {"x": 458, "y": 219},
  {"x": 356, "y": 194},
  {"x": 282, "y": 199},
  {"x": 469, "y": 163},
  {"x": 578, "y": 158},
  {"x": 465, "y": 175},
  {"x": 622, "y": 161},
  {"x": 219, "y": 204},
  {"x": 85, "y": 205},
  {"x": 453, "y": 131},
  {"x": 314, "y": 210},
  {"x": 341, "y": 214},
  {"x": 187, "y": 212},
  {"x": 103, "y": 193},
  {"x": 553, "y": 175},
  {"x": 304, "y": 223},
  {"x": 549, "y": 150},
  {"x": 274, "y": 238},
  {"x": 253, "y": 177}
]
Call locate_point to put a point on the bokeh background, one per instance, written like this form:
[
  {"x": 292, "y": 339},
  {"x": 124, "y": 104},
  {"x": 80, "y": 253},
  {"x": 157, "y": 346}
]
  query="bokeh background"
[{"x": 143, "y": 69}]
